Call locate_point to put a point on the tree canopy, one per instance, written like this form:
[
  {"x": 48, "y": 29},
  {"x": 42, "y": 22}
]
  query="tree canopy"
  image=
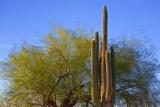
[
  {"x": 136, "y": 67},
  {"x": 52, "y": 75}
]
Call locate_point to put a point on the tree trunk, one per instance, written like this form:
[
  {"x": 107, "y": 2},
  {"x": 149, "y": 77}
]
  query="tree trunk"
[
  {"x": 50, "y": 103},
  {"x": 108, "y": 104},
  {"x": 68, "y": 103}
]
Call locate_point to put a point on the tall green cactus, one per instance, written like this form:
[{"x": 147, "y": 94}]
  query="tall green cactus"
[{"x": 102, "y": 68}]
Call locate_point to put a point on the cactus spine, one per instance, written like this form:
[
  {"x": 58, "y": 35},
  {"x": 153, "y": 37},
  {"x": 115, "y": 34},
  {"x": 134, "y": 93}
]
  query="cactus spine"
[{"x": 102, "y": 68}]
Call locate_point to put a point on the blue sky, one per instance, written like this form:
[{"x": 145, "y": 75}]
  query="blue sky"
[{"x": 30, "y": 20}]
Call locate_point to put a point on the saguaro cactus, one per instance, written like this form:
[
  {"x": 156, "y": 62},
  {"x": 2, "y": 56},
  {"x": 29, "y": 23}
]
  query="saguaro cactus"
[{"x": 102, "y": 68}]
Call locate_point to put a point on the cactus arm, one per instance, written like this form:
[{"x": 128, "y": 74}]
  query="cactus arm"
[
  {"x": 108, "y": 78},
  {"x": 92, "y": 70},
  {"x": 113, "y": 74},
  {"x": 96, "y": 55},
  {"x": 94, "y": 76},
  {"x": 97, "y": 71}
]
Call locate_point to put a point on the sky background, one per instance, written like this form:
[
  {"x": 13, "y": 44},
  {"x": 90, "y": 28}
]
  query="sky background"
[{"x": 30, "y": 20}]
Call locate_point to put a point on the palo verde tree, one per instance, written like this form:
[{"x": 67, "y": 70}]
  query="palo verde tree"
[
  {"x": 136, "y": 67},
  {"x": 54, "y": 75}
]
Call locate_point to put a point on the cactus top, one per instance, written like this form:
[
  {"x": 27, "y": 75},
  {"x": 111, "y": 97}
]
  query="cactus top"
[{"x": 105, "y": 27}]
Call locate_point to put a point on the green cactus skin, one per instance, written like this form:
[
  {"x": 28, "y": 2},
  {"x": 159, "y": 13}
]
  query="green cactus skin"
[
  {"x": 96, "y": 36},
  {"x": 92, "y": 70},
  {"x": 99, "y": 65},
  {"x": 113, "y": 74},
  {"x": 94, "y": 79},
  {"x": 108, "y": 77},
  {"x": 105, "y": 27},
  {"x": 97, "y": 72},
  {"x": 104, "y": 46}
]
